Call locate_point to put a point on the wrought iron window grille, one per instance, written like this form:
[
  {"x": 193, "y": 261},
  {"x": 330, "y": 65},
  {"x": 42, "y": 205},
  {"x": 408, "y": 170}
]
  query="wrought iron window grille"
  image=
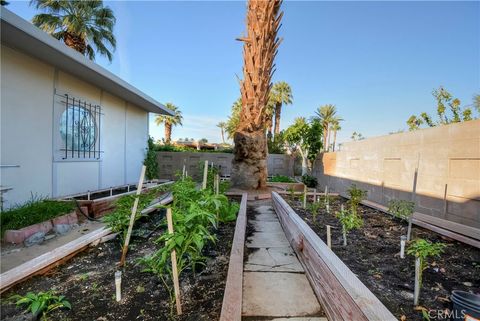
[{"x": 80, "y": 129}]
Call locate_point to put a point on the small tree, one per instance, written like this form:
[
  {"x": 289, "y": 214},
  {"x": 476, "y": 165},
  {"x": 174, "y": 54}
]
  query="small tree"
[
  {"x": 401, "y": 209},
  {"x": 350, "y": 221},
  {"x": 304, "y": 137},
  {"x": 422, "y": 250},
  {"x": 150, "y": 160}
]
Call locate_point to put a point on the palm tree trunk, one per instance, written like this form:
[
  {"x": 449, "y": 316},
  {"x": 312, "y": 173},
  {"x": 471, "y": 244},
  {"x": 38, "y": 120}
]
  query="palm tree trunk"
[
  {"x": 329, "y": 139},
  {"x": 325, "y": 135},
  {"x": 75, "y": 42},
  {"x": 223, "y": 135},
  {"x": 249, "y": 164},
  {"x": 334, "y": 139},
  {"x": 278, "y": 112},
  {"x": 168, "y": 133}
]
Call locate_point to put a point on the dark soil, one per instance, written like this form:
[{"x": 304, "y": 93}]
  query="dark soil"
[
  {"x": 373, "y": 254},
  {"x": 87, "y": 281}
]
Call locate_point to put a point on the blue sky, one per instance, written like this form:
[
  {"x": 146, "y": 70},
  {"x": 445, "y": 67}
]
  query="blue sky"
[{"x": 377, "y": 61}]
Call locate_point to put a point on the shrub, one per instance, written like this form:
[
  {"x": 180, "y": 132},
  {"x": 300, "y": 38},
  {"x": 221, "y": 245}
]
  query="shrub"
[
  {"x": 401, "y": 209},
  {"x": 150, "y": 160},
  {"x": 281, "y": 179},
  {"x": 310, "y": 181},
  {"x": 314, "y": 208},
  {"x": 34, "y": 211},
  {"x": 423, "y": 249},
  {"x": 350, "y": 221}
]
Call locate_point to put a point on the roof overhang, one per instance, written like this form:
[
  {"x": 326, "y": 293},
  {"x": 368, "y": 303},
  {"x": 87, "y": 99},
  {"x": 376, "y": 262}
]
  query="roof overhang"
[{"x": 21, "y": 35}]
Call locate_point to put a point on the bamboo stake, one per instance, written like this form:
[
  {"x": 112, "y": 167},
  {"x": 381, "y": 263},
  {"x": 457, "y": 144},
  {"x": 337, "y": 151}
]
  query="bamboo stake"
[
  {"x": 132, "y": 216},
  {"x": 176, "y": 285},
  {"x": 205, "y": 175},
  {"x": 418, "y": 275},
  {"x": 329, "y": 236}
]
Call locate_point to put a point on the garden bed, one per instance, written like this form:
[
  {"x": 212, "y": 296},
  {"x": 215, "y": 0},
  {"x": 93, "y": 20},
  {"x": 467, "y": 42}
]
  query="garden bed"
[
  {"x": 87, "y": 281},
  {"x": 373, "y": 255}
]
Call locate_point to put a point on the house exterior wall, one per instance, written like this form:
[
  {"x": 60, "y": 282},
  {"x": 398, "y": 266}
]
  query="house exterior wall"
[
  {"x": 30, "y": 133},
  {"x": 448, "y": 162}
]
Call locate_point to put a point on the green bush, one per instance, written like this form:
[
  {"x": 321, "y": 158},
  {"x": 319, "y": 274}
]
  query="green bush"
[
  {"x": 42, "y": 302},
  {"x": 34, "y": 211},
  {"x": 310, "y": 181},
  {"x": 281, "y": 179},
  {"x": 356, "y": 196},
  {"x": 150, "y": 160}
]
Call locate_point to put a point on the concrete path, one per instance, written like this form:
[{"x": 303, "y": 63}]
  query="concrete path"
[{"x": 274, "y": 283}]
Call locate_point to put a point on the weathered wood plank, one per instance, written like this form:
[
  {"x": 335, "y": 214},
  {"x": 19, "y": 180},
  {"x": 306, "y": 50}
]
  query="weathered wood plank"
[
  {"x": 342, "y": 294},
  {"x": 232, "y": 298}
]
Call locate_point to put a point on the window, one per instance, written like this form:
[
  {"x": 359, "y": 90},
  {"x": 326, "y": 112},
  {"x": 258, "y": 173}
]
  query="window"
[{"x": 79, "y": 129}]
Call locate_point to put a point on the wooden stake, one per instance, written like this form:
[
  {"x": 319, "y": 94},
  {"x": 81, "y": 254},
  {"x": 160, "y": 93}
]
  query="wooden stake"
[
  {"x": 329, "y": 236},
  {"x": 217, "y": 180},
  {"x": 304, "y": 196},
  {"x": 326, "y": 193},
  {"x": 183, "y": 172},
  {"x": 176, "y": 285},
  {"x": 342, "y": 208},
  {"x": 132, "y": 216},
  {"x": 414, "y": 198},
  {"x": 418, "y": 275},
  {"x": 403, "y": 238},
  {"x": 205, "y": 175},
  {"x": 445, "y": 203}
]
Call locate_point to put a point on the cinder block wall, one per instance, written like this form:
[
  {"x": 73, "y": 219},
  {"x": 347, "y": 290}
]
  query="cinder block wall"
[
  {"x": 448, "y": 162},
  {"x": 171, "y": 162}
]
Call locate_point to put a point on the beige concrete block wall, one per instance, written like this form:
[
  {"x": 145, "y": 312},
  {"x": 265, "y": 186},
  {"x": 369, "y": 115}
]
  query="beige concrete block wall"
[{"x": 448, "y": 161}]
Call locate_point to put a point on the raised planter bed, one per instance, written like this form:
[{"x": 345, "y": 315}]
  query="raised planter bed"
[
  {"x": 87, "y": 280},
  {"x": 373, "y": 255},
  {"x": 18, "y": 236},
  {"x": 342, "y": 295}
]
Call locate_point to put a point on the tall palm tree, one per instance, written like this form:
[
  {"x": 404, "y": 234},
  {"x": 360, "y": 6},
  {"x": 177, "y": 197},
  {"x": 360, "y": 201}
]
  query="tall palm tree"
[
  {"x": 249, "y": 165},
  {"x": 86, "y": 26},
  {"x": 222, "y": 125},
  {"x": 281, "y": 95},
  {"x": 170, "y": 121},
  {"x": 335, "y": 128},
  {"x": 326, "y": 114}
]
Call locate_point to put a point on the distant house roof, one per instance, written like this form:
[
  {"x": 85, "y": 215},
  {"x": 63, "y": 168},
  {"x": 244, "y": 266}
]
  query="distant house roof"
[{"x": 21, "y": 35}]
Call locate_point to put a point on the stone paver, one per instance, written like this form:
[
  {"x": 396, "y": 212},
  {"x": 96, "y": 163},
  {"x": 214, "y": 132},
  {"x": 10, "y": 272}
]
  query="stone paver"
[
  {"x": 278, "y": 294},
  {"x": 267, "y": 226},
  {"x": 281, "y": 259},
  {"x": 266, "y": 239}
]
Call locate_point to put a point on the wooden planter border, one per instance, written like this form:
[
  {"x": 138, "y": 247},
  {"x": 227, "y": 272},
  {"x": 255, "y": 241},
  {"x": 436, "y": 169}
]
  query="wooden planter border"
[
  {"x": 232, "y": 298},
  {"x": 342, "y": 294}
]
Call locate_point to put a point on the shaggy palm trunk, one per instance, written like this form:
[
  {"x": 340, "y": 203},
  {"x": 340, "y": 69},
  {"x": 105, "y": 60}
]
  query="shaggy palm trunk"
[
  {"x": 75, "y": 42},
  {"x": 249, "y": 165},
  {"x": 223, "y": 136},
  {"x": 168, "y": 133},
  {"x": 278, "y": 112}
]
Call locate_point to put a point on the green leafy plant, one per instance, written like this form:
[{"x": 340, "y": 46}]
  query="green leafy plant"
[
  {"x": 423, "y": 249},
  {"x": 314, "y": 208},
  {"x": 150, "y": 160},
  {"x": 401, "y": 209},
  {"x": 41, "y": 303},
  {"x": 291, "y": 192},
  {"x": 281, "y": 179},
  {"x": 119, "y": 219},
  {"x": 350, "y": 221},
  {"x": 310, "y": 181},
  {"x": 356, "y": 196},
  {"x": 34, "y": 211}
]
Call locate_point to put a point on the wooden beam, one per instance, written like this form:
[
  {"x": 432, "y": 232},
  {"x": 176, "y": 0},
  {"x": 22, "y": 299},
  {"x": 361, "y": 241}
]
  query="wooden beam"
[
  {"x": 342, "y": 294},
  {"x": 232, "y": 298}
]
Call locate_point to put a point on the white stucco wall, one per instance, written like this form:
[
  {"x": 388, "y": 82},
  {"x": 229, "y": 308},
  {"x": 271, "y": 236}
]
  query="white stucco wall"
[{"x": 29, "y": 133}]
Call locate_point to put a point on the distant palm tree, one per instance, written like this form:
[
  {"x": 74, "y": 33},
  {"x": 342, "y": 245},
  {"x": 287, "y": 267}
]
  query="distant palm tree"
[
  {"x": 326, "y": 114},
  {"x": 335, "y": 128},
  {"x": 170, "y": 121},
  {"x": 222, "y": 125},
  {"x": 82, "y": 25},
  {"x": 281, "y": 94}
]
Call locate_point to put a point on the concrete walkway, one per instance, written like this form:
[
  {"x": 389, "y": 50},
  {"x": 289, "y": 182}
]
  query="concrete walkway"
[{"x": 274, "y": 283}]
